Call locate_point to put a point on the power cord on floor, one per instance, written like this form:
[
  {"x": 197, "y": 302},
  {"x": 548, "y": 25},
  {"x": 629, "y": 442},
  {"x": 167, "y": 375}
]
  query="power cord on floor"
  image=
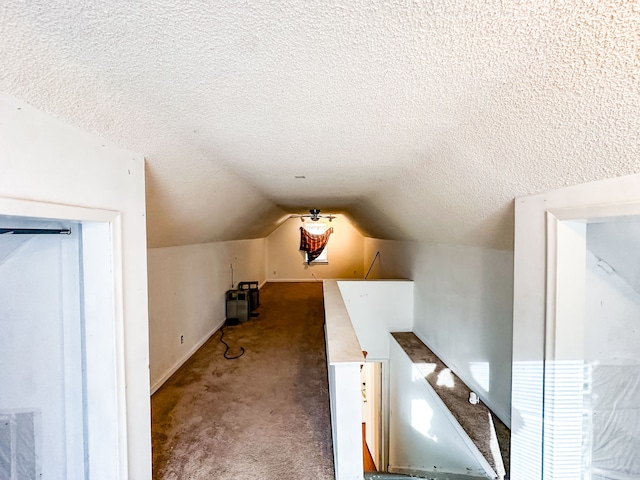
[{"x": 227, "y": 345}]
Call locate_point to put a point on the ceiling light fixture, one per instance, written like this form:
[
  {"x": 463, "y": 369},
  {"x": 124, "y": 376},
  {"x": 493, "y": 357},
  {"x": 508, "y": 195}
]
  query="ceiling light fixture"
[{"x": 314, "y": 215}]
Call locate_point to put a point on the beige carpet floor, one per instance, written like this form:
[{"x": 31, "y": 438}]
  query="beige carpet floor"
[{"x": 264, "y": 415}]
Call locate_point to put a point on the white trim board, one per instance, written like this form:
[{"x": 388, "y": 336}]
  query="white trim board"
[
  {"x": 103, "y": 312},
  {"x": 294, "y": 280},
  {"x": 609, "y": 197}
]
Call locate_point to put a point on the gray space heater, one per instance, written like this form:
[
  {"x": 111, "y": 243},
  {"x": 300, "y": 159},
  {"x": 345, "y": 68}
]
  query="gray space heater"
[
  {"x": 254, "y": 293},
  {"x": 237, "y": 305}
]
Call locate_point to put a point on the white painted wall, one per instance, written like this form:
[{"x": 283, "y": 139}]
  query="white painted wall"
[
  {"x": 286, "y": 263},
  {"x": 463, "y": 312},
  {"x": 44, "y": 160},
  {"x": 612, "y": 326},
  {"x": 463, "y": 309},
  {"x": 616, "y": 241},
  {"x": 346, "y": 419},
  {"x": 395, "y": 259},
  {"x": 187, "y": 288},
  {"x": 344, "y": 359},
  {"x": 611, "y": 339},
  {"x": 376, "y": 308}
]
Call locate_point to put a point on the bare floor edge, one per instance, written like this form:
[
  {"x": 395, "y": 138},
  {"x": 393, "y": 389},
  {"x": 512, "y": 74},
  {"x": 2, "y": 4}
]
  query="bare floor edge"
[{"x": 263, "y": 415}]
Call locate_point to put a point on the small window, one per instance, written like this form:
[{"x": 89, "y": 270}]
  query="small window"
[{"x": 317, "y": 228}]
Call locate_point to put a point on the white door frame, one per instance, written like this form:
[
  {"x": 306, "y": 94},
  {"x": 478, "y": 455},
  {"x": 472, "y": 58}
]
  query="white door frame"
[
  {"x": 564, "y": 339},
  {"x": 535, "y": 217},
  {"x": 108, "y": 383},
  {"x": 566, "y": 249}
]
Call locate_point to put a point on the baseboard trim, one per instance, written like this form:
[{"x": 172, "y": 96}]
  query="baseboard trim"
[
  {"x": 294, "y": 280},
  {"x": 184, "y": 358},
  {"x": 431, "y": 474}
]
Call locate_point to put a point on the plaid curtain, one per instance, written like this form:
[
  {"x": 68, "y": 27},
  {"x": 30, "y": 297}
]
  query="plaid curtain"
[{"x": 313, "y": 243}]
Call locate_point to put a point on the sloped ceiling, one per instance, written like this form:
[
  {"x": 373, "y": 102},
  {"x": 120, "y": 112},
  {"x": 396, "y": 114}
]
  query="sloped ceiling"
[
  {"x": 11, "y": 244},
  {"x": 616, "y": 242},
  {"x": 420, "y": 120}
]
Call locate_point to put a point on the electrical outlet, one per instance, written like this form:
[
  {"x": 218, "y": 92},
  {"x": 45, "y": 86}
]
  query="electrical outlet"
[{"x": 181, "y": 338}]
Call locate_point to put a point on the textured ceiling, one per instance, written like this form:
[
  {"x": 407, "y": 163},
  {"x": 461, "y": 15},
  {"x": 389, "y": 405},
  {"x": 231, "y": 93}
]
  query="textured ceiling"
[{"x": 420, "y": 119}]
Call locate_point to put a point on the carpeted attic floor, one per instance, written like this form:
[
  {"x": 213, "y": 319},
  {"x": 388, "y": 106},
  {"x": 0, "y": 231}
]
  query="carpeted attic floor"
[{"x": 264, "y": 415}]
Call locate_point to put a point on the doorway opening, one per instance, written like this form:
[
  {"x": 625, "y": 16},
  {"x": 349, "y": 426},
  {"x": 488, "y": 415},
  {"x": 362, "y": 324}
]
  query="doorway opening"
[
  {"x": 592, "y": 360},
  {"x": 371, "y": 387},
  {"x": 61, "y": 401}
]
